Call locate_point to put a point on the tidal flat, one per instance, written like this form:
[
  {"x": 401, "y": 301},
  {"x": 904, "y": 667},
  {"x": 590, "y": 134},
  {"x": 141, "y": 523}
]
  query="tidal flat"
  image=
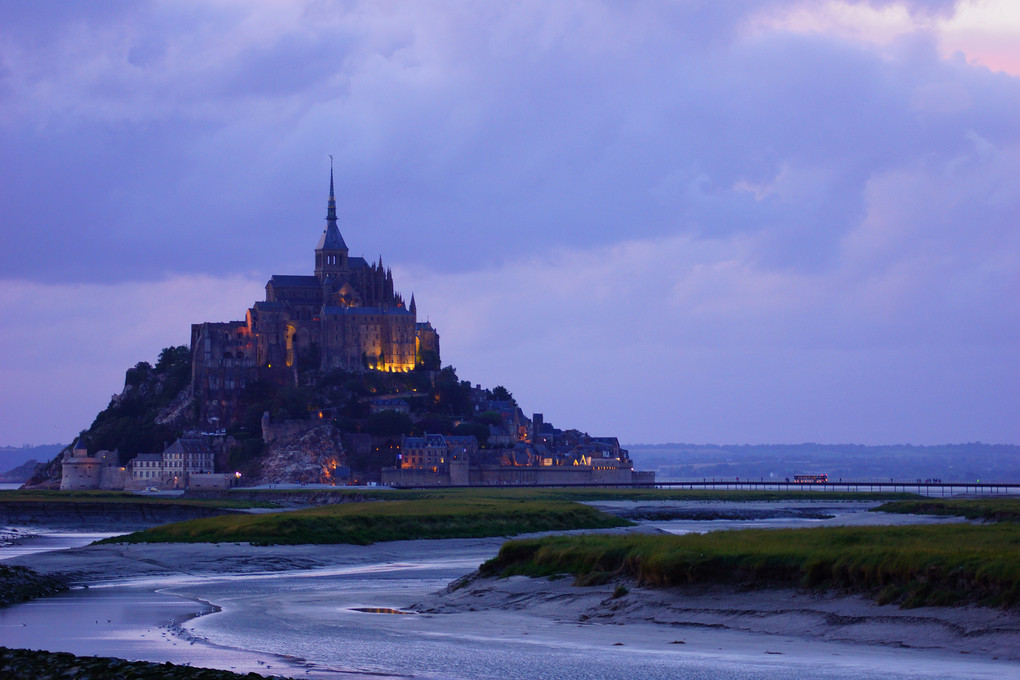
[{"x": 326, "y": 611}]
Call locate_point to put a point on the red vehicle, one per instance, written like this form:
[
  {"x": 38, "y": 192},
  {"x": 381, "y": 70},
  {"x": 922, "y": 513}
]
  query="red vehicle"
[{"x": 811, "y": 479}]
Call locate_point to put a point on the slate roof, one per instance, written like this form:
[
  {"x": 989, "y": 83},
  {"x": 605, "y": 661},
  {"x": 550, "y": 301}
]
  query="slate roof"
[
  {"x": 331, "y": 239},
  {"x": 428, "y": 441},
  {"x": 188, "y": 445}
]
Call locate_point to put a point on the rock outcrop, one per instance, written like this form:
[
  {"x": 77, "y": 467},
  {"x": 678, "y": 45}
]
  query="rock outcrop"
[{"x": 310, "y": 457}]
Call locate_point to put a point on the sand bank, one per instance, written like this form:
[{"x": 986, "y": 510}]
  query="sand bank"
[{"x": 784, "y": 615}]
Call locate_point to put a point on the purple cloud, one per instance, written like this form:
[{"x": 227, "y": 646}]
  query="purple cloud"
[{"x": 707, "y": 210}]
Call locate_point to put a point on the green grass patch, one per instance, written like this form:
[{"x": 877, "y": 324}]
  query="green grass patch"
[
  {"x": 911, "y": 565},
  {"x": 988, "y": 509},
  {"x": 364, "y": 523}
]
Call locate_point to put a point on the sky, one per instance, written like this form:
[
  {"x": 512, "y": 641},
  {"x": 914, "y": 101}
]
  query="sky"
[{"x": 757, "y": 221}]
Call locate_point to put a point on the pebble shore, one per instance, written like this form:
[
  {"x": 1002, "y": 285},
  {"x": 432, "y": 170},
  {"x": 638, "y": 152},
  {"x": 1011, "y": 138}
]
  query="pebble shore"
[
  {"x": 25, "y": 663},
  {"x": 19, "y": 584}
]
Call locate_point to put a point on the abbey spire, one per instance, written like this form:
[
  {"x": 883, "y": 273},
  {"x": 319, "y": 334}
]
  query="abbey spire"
[
  {"x": 331, "y": 205},
  {"x": 331, "y": 253}
]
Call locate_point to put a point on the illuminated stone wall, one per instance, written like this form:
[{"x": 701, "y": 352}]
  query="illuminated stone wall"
[
  {"x": 507, "y": 475},
  {"x": 347, "y": 315}
]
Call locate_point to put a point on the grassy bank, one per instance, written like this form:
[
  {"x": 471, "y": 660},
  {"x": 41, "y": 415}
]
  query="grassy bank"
[
  {"x": 989, "y": 509},
  {"x": 25, "y": 663},
  {"x": 364, "y": 523},
  {"x": 910, "y": 565}
]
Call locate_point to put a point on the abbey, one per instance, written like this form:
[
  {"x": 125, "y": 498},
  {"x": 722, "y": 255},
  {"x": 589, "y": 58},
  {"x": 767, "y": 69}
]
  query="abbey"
[{"x": 345, "y": 316}]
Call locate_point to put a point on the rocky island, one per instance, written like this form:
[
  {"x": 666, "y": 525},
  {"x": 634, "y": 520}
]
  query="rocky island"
[{"x": 331, "y": 379}]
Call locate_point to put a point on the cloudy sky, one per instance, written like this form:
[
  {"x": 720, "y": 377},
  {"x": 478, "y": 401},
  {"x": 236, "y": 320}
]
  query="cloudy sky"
[{"x": 746, "y": 221}]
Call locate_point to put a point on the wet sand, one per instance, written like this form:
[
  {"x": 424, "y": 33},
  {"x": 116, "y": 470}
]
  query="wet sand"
[
  {"x": 779, "y": 617},
  {"x": 773, "y": 615}
]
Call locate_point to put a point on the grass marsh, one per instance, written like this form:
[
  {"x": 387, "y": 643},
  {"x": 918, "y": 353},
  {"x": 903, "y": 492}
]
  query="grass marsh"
[
  {"x": 911, "y": 565},
  {"x": 989, "y": 509},
  {"x": 364, "y": 523}
]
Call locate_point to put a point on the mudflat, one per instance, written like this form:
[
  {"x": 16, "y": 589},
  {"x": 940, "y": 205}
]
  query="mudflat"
[
  {"x": 692, "y": 615},
  {"x": 784, "y": 615}
]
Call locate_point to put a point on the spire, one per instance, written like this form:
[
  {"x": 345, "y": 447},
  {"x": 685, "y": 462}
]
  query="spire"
[
  {"x": 331, "y": 207},
  {"x": 413, "y": 307},
  {"x": 331, "y": 252},
  {"x": 331, "y": 238}
]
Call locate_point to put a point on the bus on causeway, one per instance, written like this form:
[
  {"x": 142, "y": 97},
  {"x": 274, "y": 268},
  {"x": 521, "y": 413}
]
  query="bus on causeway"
[{"x": 811, "y": 479}]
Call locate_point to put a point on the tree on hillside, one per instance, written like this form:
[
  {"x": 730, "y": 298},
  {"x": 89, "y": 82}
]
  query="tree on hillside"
[
  {"x": 128, "y": 424},
  {"x": 389, "y": 424},
  {"x": 490, "y": 418},
  {"x": 500, "y": 393},
  {"x": 451, "y": 395},
  {"x": 434, "y": 424},
  {"x": 478, "y": 430}
]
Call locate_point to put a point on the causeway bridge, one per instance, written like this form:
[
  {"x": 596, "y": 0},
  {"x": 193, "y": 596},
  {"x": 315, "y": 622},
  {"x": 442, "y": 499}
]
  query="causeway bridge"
[{"x": 918, "y": 486}]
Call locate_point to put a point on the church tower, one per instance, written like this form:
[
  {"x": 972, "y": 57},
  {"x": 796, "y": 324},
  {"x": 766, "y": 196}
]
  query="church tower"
[{"x": 331, "y": 253}]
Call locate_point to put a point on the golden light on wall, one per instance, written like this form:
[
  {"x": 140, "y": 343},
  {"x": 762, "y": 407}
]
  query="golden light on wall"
[{"x": 289, "y": 334}]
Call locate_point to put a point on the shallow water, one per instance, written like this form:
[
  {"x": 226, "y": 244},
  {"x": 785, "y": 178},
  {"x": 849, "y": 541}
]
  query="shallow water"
[
  {"x": 18, "y": 541},
  {"x": 791, "y": 515},
  {"x": 315, "y": 618}
]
